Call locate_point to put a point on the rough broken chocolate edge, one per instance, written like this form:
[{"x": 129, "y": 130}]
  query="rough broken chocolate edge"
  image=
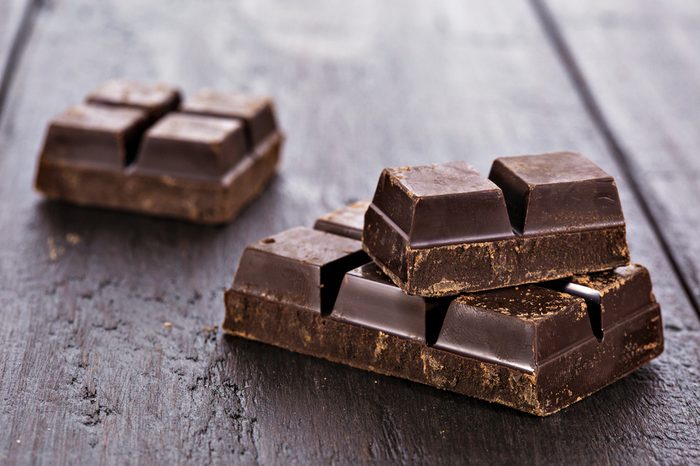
[
  {"x": 207, "y": 202},
  {"x": 413, "y": 270},
  {"x": 296, "y": 329}
]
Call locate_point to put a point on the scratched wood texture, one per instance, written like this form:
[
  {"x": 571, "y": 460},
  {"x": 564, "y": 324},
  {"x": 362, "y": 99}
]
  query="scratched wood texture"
[{"x": 111, "y": 351}]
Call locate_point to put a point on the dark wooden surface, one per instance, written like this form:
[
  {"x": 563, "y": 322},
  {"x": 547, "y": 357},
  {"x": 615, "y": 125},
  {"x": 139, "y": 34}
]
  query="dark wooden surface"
[
  {"x": 14, "y": 22},
  {"x": 640, "y": 61},
  {"x": 10, "y": 13},
  {"x": 111, "y": 351}
]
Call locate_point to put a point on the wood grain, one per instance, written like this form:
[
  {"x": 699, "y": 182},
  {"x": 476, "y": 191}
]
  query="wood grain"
[
  {"x": 640, "y": 60},
  {"x": 11, "y": 14},
  {"x": 14, "y": 17},
  {"x": 111, "y": 351}
]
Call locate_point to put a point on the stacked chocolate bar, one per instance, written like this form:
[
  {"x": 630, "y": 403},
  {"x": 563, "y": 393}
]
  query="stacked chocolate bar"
[
  {"x": 136, "y": 147},
  {"x": 516, "y": 289}
]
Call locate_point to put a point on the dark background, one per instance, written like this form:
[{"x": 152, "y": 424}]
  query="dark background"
[{"x": 91, "y": 373}]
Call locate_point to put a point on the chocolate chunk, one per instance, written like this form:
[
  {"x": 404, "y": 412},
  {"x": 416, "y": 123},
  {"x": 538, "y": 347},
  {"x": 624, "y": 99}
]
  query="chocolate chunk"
[
  {"x": 91, "y": 135},
  {"x": 608, "y": 302},
  {"x": 191, "y": 146},
  {"x": 347, "y": 221},
  {"x": 557, "y": 192},
  {"x": 257, "y": 112},
  {"x": 367, "y": 297},
  {"x": 191, "y": 167},
  {"x": 439, "y": 230},
  {"x": 517, "y": 327},
  {"x": 299, "y": 266},
  {"x": 154, "y": 99},
  {"x": 531, "y": 347},
  {"x": 440, "y": 204}
]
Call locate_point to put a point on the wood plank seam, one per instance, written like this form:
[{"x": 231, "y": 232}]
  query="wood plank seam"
[
  {"x": 19, "y": 43},
  {"x": 563, "y": 51}
]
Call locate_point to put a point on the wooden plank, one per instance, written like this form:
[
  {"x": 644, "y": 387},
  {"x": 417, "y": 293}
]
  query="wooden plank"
[
  {"x": 11, "y": 14},
  {"x": 13, "y": 24},
  {"x": 89, "y": 372},
  {"x": 640, "y": 62}
]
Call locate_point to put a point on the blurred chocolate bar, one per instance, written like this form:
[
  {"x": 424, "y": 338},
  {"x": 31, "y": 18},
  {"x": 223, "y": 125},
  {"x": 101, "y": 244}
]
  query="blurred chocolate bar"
[{"x": 136, "y": 147}]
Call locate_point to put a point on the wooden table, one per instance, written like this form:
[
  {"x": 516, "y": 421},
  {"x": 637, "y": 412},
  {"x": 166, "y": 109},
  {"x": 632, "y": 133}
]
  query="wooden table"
[{"x": 110, "y": 347}]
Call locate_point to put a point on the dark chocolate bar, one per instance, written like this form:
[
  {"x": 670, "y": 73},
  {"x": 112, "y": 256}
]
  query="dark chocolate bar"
[
  {"x": 131, "y": 147},
  {"x": 535, "y": 348},
  {"x": 442, "y": 229}
]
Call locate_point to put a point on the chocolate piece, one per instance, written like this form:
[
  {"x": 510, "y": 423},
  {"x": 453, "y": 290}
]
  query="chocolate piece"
[
  {"x": 606, "y": 302},
  {"x": 519, "y": 327},
  {"x": 190, "y": 167},
  {"x": 257, "y": 112},
  {"x": 557, "y": 192},
  {"x": 154, "y": 99},
  {"x": 367, "y": 297},
  {"x": 191, "y": 146},
  {"x": 420, "y": 200},
  {"x": 530, "y": 347},
  {"x": 439, "y": 230},
  {"x": 89, "y": 135},
  {"x": 346, "y": 221},
  {"x": 299, "y": 266}
]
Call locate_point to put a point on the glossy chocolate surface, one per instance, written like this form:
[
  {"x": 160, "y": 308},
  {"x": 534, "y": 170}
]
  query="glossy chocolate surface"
[
  {"x": 94, "y": 135},
  {"x": 519, "y": 327},
  {"x": 367, "y": 297},
  {"x": 191, "y": 146},
  {"x": 154, "y": 99},
  {"x": 347, "y": 221},
  {"x": 299, "y": 266},
  {"x": 525, "y": 326},
  {"x": 534, "y": 347},
  {"x": 557, "y": 192},
  {"x": 441, "y": 204},
  {"x": 257, "y": 112}
]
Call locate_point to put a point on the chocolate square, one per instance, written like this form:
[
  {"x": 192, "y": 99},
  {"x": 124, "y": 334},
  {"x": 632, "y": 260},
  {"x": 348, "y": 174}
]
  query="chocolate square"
[
  {"x": 191, "y": 146},
  {"x": 97, "y": 136},
  {"x": 517, "y": 327},
  {"x": 560, "y": 191},
  {"x": 441, "y": 204},
  {"x": 155, "y": 99},
  {"x": 300, "y": 266},
  {"x": 257, "y": 112}
]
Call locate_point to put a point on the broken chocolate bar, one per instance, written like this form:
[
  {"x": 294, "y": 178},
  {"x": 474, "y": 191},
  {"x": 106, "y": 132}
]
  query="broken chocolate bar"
[
  {"x": 130, "y": 147},
  {"x": 535, "y": 348},
  {"x": 442, "y": 229}
]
